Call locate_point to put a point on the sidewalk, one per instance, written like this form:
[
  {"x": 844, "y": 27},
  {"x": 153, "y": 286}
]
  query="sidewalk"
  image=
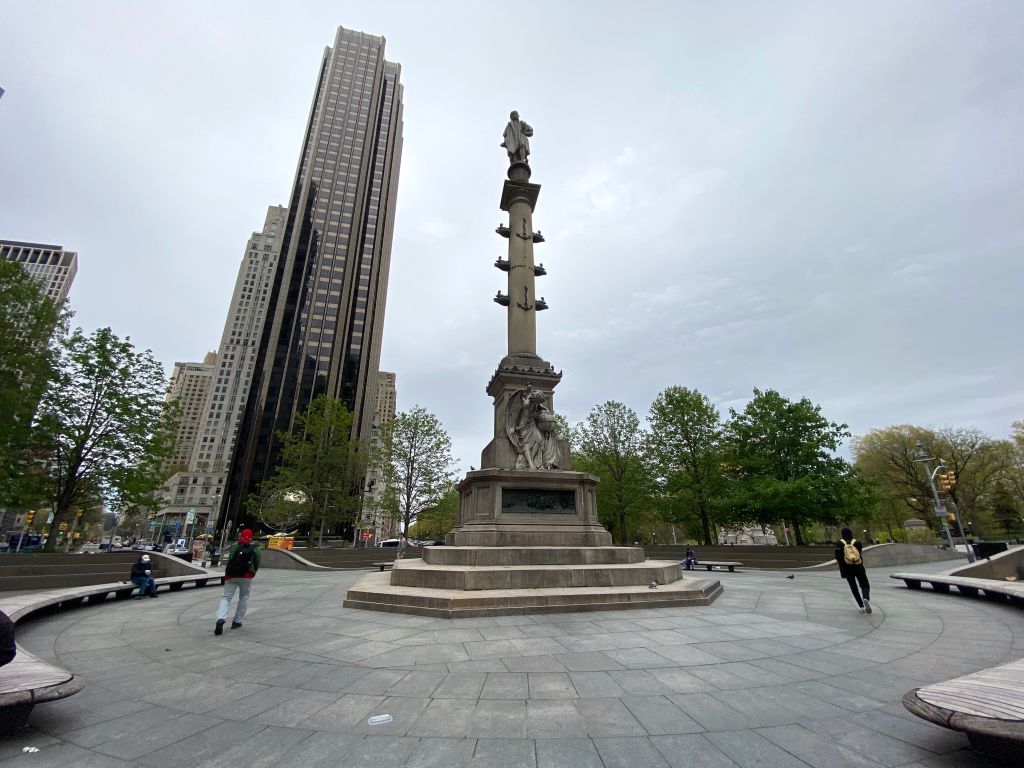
[{"x": 777, "y": 673}]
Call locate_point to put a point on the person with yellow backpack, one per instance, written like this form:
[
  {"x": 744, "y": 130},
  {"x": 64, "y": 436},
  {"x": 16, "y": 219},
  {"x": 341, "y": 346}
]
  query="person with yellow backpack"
[{"x": 851, "y": 567}]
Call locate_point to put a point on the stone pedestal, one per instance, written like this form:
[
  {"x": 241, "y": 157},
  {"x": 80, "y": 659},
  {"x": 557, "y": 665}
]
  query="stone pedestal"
[{"x": 539, "y": 508}]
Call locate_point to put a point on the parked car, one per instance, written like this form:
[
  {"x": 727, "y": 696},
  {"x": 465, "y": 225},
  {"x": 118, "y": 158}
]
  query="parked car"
[
  {"x": 388, "y": 543},
  {"x": 183, "y": 552},
  {"x": 143, "y": 545}
]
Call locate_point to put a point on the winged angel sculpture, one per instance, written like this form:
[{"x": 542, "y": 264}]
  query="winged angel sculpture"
[{"x": 530, "y": 427}]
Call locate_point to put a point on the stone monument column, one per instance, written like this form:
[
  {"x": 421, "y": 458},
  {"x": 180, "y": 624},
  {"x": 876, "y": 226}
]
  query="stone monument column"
[
  {"x": 519, "y": 198},
  {"x": 528, "y": 539}
]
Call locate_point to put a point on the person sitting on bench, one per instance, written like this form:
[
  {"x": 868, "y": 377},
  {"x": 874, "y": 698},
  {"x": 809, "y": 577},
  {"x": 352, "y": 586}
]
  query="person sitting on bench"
[
  {"x": 142, "y": 577},
  {"x": 691, "y": 559}
]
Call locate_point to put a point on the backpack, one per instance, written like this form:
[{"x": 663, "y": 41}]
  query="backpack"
[
  {"x": 850, "y": 553},
  {"x": 240, "y": 562}
]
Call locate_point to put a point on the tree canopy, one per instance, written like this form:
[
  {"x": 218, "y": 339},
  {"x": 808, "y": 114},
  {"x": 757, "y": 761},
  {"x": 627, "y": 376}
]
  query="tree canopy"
[
  {"x": 415, "y": 464},
  {"x": 319, "y": 480},
  {"x": 103, "y": 426},
  {"x": 31, "y": 327},
  {"x": 609, "y": 445},
  {"x": 684, "y": 448},
  {"x": 781, "y": 464}
]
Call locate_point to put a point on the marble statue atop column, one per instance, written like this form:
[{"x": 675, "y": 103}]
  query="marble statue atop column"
[{"x": 517, "y": 141}]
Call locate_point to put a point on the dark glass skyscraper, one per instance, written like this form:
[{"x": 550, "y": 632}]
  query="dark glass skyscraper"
[{"x": 323, "y": 329}]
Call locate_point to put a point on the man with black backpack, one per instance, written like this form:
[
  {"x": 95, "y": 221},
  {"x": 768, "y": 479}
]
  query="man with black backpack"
[
  {"x": 243, "y": 562},
  {"x": 851, "y": 568}
]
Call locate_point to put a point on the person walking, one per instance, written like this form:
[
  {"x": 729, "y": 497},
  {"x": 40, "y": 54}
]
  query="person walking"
[
  {"x": 403, "y": 543},
  {"x": 851, "y": 567},
  {"x": 142, "y": 576},
  {"x": 240, "y": 570}
]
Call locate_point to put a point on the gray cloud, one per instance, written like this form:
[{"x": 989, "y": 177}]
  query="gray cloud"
[{"x": 820, "y": 198}]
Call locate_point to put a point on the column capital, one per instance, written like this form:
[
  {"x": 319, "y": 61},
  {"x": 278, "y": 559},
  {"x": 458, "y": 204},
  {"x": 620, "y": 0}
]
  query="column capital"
[{"x": 519, "y": 192}]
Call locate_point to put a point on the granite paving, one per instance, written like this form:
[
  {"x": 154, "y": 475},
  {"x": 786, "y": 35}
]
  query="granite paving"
[{"x": 777, "y": 672}]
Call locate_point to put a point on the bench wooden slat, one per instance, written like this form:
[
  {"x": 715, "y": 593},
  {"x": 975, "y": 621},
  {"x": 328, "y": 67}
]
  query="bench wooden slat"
[
  {"x": 30, "y": 674},
  {"x": 987, "y": 705}
]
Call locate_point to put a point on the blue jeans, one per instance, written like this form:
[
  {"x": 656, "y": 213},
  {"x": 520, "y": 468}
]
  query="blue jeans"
[
  {"x": 145, "y": 584},
  {"x": 244, "y": 586}
]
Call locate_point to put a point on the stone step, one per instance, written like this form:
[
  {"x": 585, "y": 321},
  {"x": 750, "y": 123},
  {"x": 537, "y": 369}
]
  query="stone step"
[
  {"x": 374, "y": 592},
  {"x": 523, "y": 556},
  {"x": 416, "y": 573}
]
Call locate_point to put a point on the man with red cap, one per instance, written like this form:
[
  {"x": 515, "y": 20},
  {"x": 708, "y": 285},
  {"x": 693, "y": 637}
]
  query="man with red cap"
[{"x": 243, "y": 562}]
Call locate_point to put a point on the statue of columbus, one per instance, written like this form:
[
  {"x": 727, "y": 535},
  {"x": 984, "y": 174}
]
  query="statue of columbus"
[{"x": 517, "y": 142}]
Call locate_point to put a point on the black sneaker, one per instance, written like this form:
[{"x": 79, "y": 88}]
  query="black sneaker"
[
  {"x": 236, "y": 624},
  {"x": 219, "y": 629}
]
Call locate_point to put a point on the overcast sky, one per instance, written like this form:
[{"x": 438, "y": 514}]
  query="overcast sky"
[{"x": 820, "y": 198}]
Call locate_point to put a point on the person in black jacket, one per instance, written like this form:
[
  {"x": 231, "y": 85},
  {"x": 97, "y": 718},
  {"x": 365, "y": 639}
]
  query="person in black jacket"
[
  {"x": 142, "y": 576},
  {"x": 690, "y": 560},
  {"x": 8, "y": 648},
  {"x": 852, "y": 569}
]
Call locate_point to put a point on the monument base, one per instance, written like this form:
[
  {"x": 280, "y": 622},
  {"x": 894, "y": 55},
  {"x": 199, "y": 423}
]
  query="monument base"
[
  {"x": 529, "y": 508},
  {"x": 528, "y": 542}
]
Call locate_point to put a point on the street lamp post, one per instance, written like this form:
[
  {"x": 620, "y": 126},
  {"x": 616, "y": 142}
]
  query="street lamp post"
[
  {"x": 323, "y": 519},
  {"x": 920, "y": 456}
]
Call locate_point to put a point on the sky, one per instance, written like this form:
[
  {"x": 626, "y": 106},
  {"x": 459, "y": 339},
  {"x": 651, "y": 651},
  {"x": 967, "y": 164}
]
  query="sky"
[{"x": 821, "y": 198}]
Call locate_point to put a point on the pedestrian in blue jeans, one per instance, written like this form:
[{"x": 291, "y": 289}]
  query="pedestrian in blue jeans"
[
  {"x": 240, "y": 570},
  {"x": 142, "y": 577}
]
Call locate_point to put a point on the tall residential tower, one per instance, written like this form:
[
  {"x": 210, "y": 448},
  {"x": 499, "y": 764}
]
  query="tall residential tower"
[
  {"x": 326, "y": 312},
  {"x": 200, "y": 486},
  {"x": 52, "y": 266}
]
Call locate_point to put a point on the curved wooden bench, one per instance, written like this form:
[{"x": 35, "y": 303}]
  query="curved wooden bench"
[
  {"x": 965, "y": 585},
  {"x": 27, "y": 680},
  {"x": 987, "y": 706}
]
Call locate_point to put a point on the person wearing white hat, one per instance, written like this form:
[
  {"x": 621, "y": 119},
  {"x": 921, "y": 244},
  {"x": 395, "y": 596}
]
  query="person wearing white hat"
[{"x": 142, "y": 576}]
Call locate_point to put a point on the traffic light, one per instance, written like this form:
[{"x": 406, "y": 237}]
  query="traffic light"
[
  {"x": 30, "y": 516},
  {"x": 947, "y": 481}
]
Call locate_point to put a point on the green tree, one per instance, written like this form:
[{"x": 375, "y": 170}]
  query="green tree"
[
  {"x": 415, "y": 464},
  {"x": 1004, "y": 510},
  {"x": 980, "y": 464},
  {"x": 435, "y": 521},
  {"x": 782, "y": 465},
  {"x": 888, "y": 455},
  {"x": 1013, "y": 477},
  {"x": 684, "y": 449},
  {"x": 31, "y": 325},
  {"x": 320, "y": 476},
  {"x": 103, "y": 426},
  {"x": 609, "y": 445}
]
